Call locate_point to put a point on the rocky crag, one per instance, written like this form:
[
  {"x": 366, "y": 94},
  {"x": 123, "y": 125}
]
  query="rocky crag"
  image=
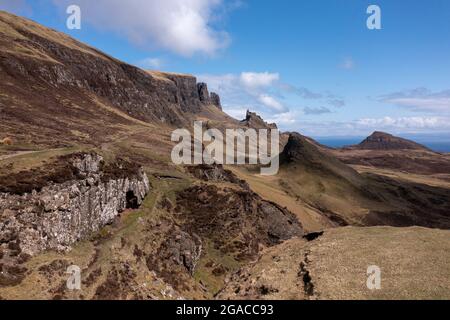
[
  {"x": 58, "y": 215},
  {"x": 252, "y": 120}
]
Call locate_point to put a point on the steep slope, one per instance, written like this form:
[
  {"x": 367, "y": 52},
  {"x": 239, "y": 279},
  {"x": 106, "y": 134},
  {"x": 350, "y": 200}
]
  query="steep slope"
[
  {"x": 323, "y": 182},
  {"x": 301, "y": 154},
  {"x": 344, "y": 196},
  {"x": 54, "y": 86},
  {"x": 193, "y": 230}
]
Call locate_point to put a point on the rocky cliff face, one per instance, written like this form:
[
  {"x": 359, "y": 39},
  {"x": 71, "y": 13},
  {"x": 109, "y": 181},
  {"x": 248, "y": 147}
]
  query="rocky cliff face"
[
  {"x": 61, "y": 214},
  {"x": 215, "y": 100},
  {"x": 48, "y": 62},
  {"x": 206, "y": 97}
]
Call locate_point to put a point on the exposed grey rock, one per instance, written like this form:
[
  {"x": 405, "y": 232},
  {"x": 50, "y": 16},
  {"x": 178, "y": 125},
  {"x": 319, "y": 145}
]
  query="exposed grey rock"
[
  {"x": 215, "y": 100},
  {"x": 62, "y": 214},
  {"x": 185, "y": 249},
  {"x": 216, "y": 173},
  {"x": 252, "y": 120},
  {"x": 203, "y": 92}
]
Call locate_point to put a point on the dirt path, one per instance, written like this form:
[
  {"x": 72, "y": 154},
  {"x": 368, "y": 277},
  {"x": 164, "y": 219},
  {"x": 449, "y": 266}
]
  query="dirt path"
[{"x": 16, "y": 154}]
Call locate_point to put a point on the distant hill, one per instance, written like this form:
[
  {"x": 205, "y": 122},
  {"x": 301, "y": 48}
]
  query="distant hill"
[
  {"x": 385, "y": 141},
  {"x": 345, "y": 196},
  {"x": 301, "y": 153}
]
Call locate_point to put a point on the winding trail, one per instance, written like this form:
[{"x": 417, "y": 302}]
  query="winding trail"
[{"x": 16, "y": 154}]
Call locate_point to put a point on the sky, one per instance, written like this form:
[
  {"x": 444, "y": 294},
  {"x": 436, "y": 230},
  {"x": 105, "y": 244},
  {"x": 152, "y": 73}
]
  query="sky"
[{"x": 310, "y": 66}]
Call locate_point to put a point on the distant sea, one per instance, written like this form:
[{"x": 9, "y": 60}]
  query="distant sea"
[{"x": 332, "y": 142}]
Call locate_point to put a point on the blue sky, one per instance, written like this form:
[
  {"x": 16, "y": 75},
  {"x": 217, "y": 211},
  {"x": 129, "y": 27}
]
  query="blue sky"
[{"x": 311, "y": 66}]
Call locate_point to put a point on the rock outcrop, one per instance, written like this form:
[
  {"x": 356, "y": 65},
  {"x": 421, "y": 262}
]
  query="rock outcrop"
[
  {"x": 215, "y": 100},
  {"x": 59, "y": 215},
  {"x": 206, "y": 97},
  {"x": 203, "y": 92},
  {"x": 216, "y": 173},
  {"x": 252, "y": 120},
  {"x": 237, "y": 221}
]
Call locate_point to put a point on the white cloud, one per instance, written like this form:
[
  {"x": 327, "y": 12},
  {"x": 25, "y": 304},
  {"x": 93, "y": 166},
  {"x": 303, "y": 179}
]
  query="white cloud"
[
  {"x": 237, "y": 113},
  {"x": 362, "y": 127},
  {"x": 301, "y": 92},
  {"x": 151, "y": 63},
  {"x": 263, "y": 92},
  {"x": 249, "y": 89},
  {"x": 254, "y": 80},
  {"x": 285, "y": 119},
  {"x": 414, "y": 123},
  {"x": 420, "y": 99},
  {"x": 271, "y": 102},
  {"x": 185, "y": 27}
]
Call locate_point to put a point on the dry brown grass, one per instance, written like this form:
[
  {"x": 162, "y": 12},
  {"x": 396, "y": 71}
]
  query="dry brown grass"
[
  {"x": 413, "y": 263},
  {"x": 15, "y": 27}
]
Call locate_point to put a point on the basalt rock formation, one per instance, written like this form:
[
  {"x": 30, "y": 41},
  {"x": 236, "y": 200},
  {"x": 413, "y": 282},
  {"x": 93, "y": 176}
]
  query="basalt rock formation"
[
  {"x": 58, "y": 215},
  {"x": 238, "y": 221},
  {"x": 215, "y": 100},
  {"x": 252, "y": 120},
  {"x": 206, "y": 97}
]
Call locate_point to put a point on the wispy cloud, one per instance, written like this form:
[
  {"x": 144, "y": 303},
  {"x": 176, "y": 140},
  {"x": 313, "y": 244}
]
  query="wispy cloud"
[
  {"x": 338, "y": 103},
  {"x": 414, "y": 123},
  {"x": 420, "y": 99},
  {"x": 287, "y": 119},
  {"x": 255, "y": 80},
  {"x": 301, "y": 91},
  {"x": 364, "y": 126},
  {"x": 316, "y": 111},
  {"x": 272, "y": 103},
  {"x": 347, "y": 64},
  {"x": 265, "y": 92},
  {"x": 151, "y": 63},
  {"x": 252, "y": 90},
  {"x": 185, "y": 27}
]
